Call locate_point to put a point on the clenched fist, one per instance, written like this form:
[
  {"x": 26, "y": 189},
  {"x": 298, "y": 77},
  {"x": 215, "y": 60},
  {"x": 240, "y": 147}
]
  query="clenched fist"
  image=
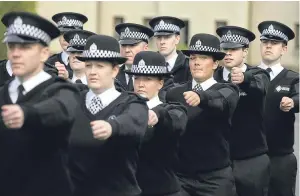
[
  {"x": 153, "y": 120},
  {"x": 191, "y": 98},
  {"x": 237, "y": 75},
  {"x": 286, "y": 104},
  {"x": 13, "y": 116},
  {"x": 62, "y": 71},
  {"x": 102, "y": 130}
]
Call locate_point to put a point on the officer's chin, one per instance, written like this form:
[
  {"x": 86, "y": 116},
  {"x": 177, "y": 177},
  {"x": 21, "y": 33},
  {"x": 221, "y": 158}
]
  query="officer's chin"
[
  {"x": 143, "y": 95},
  {"x": 19, "y": 71},
  {"x": 94, "y": 86}
]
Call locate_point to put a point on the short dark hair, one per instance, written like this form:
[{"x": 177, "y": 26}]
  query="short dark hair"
[
  {"x": 155, "y": 76},
  {"x": 284, "y": 43},
  {"x": 160, "y": 77}
]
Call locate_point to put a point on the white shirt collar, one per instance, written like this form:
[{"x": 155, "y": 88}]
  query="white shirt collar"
[
  {"x": 106, "y": 97},
  {"x": 8, "y": 68},
  {"x": 127, "y": 67},
  {"x": 206, "y": 84},
  {"x": 34, "y": 81},
  {"x": 244, "y": 67},
  {"x": 152, "y": 103},
  {"x": 276, "y": 69},
  {"x": 83, "y": 79},
  {"x": 226, "y": 71},
  {"x": 65, "y": 57},
  {"x": 28, "y": 85},
  {"x": 172, "y": 61}
]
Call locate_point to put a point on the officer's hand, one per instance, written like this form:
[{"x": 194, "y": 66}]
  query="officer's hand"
[
  {"x": 191, "y": 98},
  {"x": 12, "y": 116},
  {"x": 102, "y": 130},
  {"x": 62, "y": 71},
  {"x": 237, "y": 75},
  {"x": 286, "y": 104},
  {"x": 153, "y": 120}
]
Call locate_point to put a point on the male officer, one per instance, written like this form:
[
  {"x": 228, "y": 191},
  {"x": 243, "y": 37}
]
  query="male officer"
[
  {"x": 37, "y": 112},
  {"x": 65, "y": 21},
  {"x": 282, "y": 102},
  {"x": 248, "y": 146},
  {"x": 167, "y": 36},
  {"x": 133, "y": 39}
]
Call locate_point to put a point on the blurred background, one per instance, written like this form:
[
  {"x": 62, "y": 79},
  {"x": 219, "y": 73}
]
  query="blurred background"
[{"x": 199, "y": 17}]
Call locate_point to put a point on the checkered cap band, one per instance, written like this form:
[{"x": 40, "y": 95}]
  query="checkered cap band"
[
  {"x": 203, "y": 48},
  {"x": 69, "y": 22},
  {"x": 274, "y": 32},
  {"x": 162, "y": 26},
  {"x": 76, "y": 41},
  {"x": 235, "y": 39},
  {"x": 100, "y": 54},
  {"x": 28, "y": 30},
  {"x": 133, "y": 35},
  {"x": 148, "y": 69}
]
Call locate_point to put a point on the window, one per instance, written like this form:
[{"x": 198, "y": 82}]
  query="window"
[
  {"x": 184, "y": 34},
  {"x": 146, "y": 22},
  {"x": 117, "y": 20},
  {"x": 151, "y": 43},
  {"x": 221, "y": 23},
  {"x": 297, "y": 36}
]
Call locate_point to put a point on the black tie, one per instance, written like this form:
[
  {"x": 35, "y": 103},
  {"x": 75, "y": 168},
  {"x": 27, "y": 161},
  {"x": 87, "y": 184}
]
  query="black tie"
[
  {"x": 229, "y": 77},
  {"x": 20, "y": 93},
  {"x": 269, "y": 70},
  {"x": 78, "y": 81},
  {"x": 130, "y": 83},
  {"x": 168, "y": 65}
]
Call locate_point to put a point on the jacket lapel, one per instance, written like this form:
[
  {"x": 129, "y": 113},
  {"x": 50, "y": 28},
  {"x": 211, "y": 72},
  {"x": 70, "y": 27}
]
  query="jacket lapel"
[
  {"x": 180, "y": 61},
  {"x": 121, "y": 76}
]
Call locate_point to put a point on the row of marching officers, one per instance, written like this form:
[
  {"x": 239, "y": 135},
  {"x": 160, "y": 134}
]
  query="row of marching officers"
[{"x": 59, "y": 138}]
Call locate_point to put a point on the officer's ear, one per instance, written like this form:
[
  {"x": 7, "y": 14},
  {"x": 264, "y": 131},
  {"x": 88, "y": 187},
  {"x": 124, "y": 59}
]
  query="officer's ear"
[
  {"x": 284, "y": 48},
  {"x": 216, "y": 64},
  {"x": 44, "y": 53},
  {"x": 245, "y": 52},
  {"x": 160, "y": 81},
  {"x": 115, "y": 70},
  {"x": 177, "y": 38},
  {"x": 146, "y": 46}
]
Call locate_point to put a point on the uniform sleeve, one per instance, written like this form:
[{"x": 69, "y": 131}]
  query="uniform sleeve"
[
  {"x": 172, "y": 118},
  {"x": 295, "y": 95},
  {"x": 255, "y": 82},
  {"x": 54, "y": 111},
  {"x": 132, "y": 122},
  {"x": 119, "y": 86},
  {"x": 168, "y": 97},
  {"x": 52, "y": 70},
  {"x": 168, "y": 84},
  {"x": 223, "y": 100}
]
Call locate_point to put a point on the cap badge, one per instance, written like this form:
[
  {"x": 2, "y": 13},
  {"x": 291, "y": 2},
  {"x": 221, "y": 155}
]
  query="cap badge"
[
  {"x": 271, "y": 28},
  {"x": 18, "y": 22},
  {"x": 198, "y": 43},
  {"x": 93, "y": 48},
  {"x": 161, "y": 23},
  {"x": 141, "y": 63},
  {"x": 229, "y": 34},
  {"x": 127, "y": 30},
  {"x": 64, "y": 19},
  {"x": 76, "y": 37}
]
